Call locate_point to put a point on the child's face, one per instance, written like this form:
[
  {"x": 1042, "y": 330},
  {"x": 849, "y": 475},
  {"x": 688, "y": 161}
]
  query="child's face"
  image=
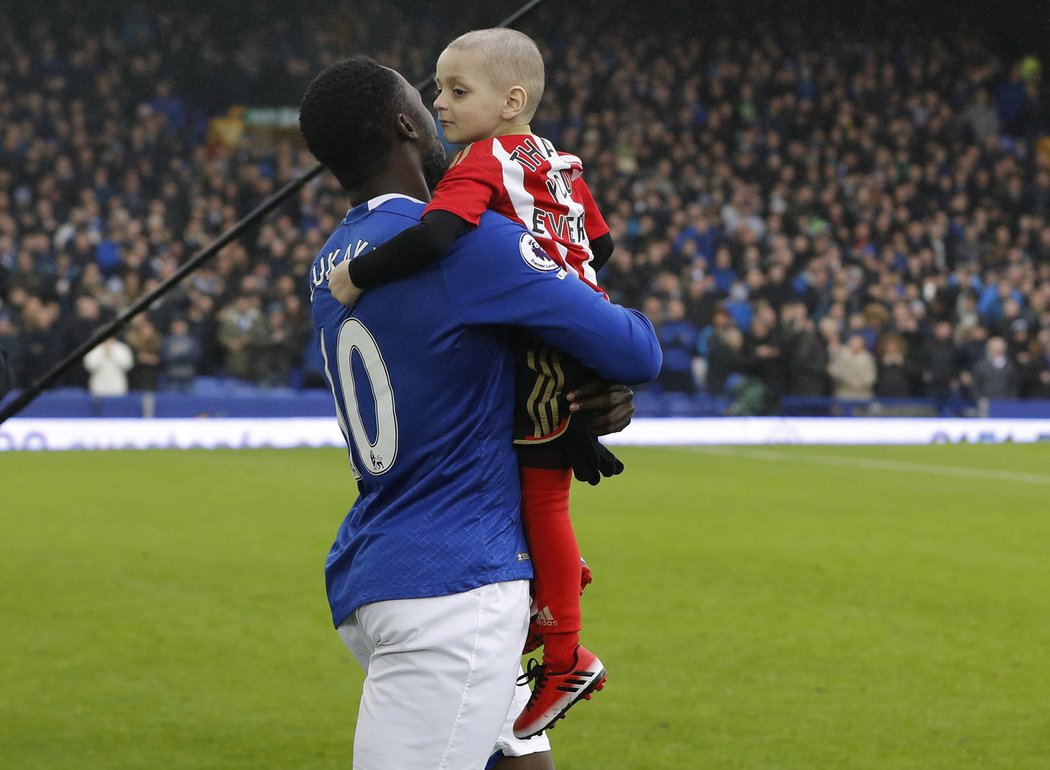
[{"x": 468, "y": 105}]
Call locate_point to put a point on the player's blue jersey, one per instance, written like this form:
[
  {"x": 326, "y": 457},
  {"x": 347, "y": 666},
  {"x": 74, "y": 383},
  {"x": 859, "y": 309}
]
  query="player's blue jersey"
[{"x": 422, "y": 377}]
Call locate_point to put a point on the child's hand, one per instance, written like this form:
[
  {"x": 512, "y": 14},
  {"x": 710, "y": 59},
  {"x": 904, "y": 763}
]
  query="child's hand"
[{"x": 342, "y": 288}]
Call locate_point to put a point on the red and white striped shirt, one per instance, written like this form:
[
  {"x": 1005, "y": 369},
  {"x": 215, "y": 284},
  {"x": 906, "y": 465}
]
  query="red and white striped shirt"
[{"x": 523, "y": 177}]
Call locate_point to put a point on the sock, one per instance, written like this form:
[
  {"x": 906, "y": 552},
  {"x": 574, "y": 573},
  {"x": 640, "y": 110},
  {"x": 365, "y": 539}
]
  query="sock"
[{"x": 555, "y": 560}]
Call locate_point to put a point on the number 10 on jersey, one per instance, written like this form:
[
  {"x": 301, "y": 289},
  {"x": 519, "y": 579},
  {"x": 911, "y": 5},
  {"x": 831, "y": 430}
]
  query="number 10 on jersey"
[{"x": 369, "y": 381}]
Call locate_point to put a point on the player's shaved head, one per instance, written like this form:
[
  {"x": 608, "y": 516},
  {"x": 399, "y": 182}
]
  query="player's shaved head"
[
  {"x": 345, "y": 118},
  {"x": 511, "y": 59},
  {"x": 349, "y": 115}
]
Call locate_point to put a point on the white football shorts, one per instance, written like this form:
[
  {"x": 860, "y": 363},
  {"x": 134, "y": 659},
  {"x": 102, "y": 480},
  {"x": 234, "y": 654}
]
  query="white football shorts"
[{"x": 439, "y": 690}]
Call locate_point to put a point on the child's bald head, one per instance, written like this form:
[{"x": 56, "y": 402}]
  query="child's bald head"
[{"x": 511, "y": 59}]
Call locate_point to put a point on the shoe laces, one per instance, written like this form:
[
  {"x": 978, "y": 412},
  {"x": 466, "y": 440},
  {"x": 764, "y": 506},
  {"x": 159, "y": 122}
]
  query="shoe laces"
[{"x": 534, "y": 671}]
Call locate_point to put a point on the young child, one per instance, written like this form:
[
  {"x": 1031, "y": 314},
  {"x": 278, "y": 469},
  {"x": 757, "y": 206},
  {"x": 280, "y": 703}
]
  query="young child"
[{"x": 489, "y": 83}]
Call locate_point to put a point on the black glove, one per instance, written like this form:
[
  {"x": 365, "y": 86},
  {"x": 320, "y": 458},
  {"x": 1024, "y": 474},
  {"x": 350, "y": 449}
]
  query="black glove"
[{"x": 590, "y": 459}]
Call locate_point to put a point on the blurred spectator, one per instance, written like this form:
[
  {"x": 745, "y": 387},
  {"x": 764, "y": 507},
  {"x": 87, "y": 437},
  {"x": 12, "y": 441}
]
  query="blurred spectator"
[
  {"x": 739, "y": 307},
  {"x": 678, "y": 339},
  {"x": 852, "y": 370},
  {"x": 204, "y": 327},
  {"x": 11, "y": 345},
  {"x": 1011, "y": 101},
  {"x": 724, "y": 343},
  {"x": 42, "y": 344},
  {"x": 893, "y": 379},
  {"x": 994, "y": 376},
  {"x": 279, "y": 350},
  {"x": 77, "y": 329},
  {"x": 762, "y": 358},
  {"x": 981, "y": 117},
  {"x": 972, "y": 346},
  {"x": 940, "y": 362},
  {"x": 244, "y": 337},
  {"x": 145, "y": 342},
  {"x": 1034, "y": 372},
  {"x": 299, "y": 329},
  {"x": 108, "y": 365},
  {"x": 805, "y": 355},
  {"x": 179, "y": 355},
  {"x": 624, "y": 285}
]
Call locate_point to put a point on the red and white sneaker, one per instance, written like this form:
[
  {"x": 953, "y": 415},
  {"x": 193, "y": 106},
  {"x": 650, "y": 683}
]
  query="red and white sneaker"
[{"x": 554, "y": 693}]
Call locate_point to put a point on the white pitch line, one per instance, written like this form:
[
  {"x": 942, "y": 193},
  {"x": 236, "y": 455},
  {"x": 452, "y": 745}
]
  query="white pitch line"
[{"x": 870, "y": 463}]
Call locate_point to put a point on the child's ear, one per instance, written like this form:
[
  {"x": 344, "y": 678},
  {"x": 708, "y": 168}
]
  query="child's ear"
[{"x": 515, "y": 102}]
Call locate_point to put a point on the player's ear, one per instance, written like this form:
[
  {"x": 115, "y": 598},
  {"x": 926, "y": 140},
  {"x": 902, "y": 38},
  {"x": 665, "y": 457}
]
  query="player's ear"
[
  {"x": 405, "y": 127},
  {"x": 515, "y": 102}
]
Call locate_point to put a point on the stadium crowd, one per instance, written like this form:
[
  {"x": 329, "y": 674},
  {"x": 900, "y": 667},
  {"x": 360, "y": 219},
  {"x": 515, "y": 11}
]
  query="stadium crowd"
[{"x": 801, "y": 211}]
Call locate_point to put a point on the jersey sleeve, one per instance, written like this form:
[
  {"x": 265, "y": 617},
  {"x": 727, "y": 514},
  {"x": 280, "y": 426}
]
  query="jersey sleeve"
[
  {"x": 593, "y": 221},
  {"x": 502, "y": 276},
  {"x": 470, "y": 186}
]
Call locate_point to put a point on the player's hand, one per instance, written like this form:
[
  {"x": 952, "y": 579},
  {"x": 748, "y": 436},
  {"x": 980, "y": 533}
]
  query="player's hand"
[
  {"x": 612, "y": 403},
  {"x": 342, "y": 288}
]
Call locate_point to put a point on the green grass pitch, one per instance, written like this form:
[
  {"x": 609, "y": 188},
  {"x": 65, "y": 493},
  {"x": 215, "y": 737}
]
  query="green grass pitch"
[{"x": 776, "y": 607}]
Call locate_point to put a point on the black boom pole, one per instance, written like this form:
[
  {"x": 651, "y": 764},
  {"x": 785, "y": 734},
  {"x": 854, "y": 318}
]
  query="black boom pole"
[{"x": 24, "y": 398}]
